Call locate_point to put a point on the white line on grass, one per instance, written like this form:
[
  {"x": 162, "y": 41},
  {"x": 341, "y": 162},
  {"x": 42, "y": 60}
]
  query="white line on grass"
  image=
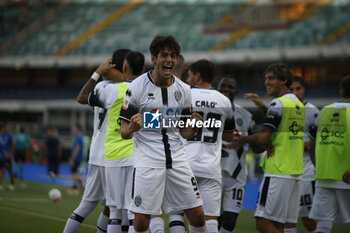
[
  {"x": 15, "y": 199},
  {"x": 42, "y": 215}
]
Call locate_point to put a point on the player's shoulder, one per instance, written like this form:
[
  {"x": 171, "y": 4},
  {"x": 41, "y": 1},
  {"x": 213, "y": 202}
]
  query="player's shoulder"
[
  {"x": 180, "y": 84},
  {"x": 309, "y": 106},
  {"x": 243, "y": 111},
  {"x": 140, "y": 81},
  {"x": 103, "y": 84}
]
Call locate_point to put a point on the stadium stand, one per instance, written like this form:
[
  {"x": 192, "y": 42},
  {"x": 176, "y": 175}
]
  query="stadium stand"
[{"x": 93, "y": 28}]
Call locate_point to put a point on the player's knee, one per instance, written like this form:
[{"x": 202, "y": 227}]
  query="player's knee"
[
  {"x": 309, "y": 224},
  {"x": 196, "y": 217},
  {"x": 106, "y": 211},
  {"x": 141, "y": 222},
  {"x": 229, "y": 220},
  {"x": 260, "y": 225}
]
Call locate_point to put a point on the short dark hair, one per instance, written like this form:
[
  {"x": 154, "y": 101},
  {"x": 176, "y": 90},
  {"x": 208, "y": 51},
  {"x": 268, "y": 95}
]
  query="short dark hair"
[
  {"x": 345, "y": 86},
  {"x": 299, "y": 79},
  {"x": 118, "y": 58},
  {"x": 136, "y": 61},
  {"x": 205, "y": 68},
  {"x": 281, "y": 71},
  {"x": 161, "y": 42}
]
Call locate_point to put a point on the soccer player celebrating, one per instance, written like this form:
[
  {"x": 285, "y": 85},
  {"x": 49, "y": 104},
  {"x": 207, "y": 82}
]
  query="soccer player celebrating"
[
  {"x": 308, "y": 186},
  {"x": 162, "y": 172},
  {"x": 233, "y": 165},
  {"x": 333, "y": 162},
  {"x": 119, "y": 162},
  {"x": 204, "y": 150},
  {"x": 96, "y": 182},
  {"x": 283, "y": 166}
]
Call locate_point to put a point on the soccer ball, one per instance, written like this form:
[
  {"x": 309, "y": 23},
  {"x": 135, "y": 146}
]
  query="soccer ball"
[{"x": 55, "y": 195}]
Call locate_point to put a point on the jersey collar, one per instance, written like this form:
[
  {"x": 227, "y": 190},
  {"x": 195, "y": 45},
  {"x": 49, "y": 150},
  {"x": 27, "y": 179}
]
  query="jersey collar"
[{"x": 151, "y": 79}]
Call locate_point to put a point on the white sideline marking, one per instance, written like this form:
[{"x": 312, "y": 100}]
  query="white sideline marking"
[
  {"x": 24, "y": 199},
  {"x": 42, "y": 216}
]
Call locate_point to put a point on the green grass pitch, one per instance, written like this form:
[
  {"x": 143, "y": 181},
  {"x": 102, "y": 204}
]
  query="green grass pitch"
[{"x": 29, "y": 210}]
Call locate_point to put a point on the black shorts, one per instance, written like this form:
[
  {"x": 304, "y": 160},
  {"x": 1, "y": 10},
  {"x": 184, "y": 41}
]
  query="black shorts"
[
  {"x": 20, "y": 155},
  {"x": 75, "y": 166}
]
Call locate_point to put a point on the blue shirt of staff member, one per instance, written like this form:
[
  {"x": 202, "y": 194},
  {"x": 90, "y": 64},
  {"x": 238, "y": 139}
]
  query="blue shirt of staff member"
[{"x": 77, "y": 156}]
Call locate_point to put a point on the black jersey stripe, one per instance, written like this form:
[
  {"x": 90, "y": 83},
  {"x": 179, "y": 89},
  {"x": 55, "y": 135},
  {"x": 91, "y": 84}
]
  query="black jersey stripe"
[
  {"x": 239, "y": 166},
  {"x": 150, "y": 77},
  {"x": 168, "y": 159},
  {"x": 165, "y": 96},
  {"x": 313, "y": 187},
  {"x": 133, "y": 184},
  {"x": 264, "y": 191}
]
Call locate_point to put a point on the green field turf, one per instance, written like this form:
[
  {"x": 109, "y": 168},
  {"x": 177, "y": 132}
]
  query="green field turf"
[{"x": 29, "y": 210}]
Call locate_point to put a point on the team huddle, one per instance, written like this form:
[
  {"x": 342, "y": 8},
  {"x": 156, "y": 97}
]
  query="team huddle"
[{"x": 140, "y": 168}]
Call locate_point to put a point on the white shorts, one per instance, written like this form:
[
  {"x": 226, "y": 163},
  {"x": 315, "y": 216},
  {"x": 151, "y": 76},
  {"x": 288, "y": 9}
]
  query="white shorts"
[
  {"x": 232, "y": 194},
  {"x": 279, "y": 199},
  {"x": 210, "y": 190},
  {"x": 95, "y": 183},
  {"x": 330, "y": 202},
  {"x": 175, "y": 188},
  {"x": 307, "y": 195},
  {"x": 119, "y": 186}
]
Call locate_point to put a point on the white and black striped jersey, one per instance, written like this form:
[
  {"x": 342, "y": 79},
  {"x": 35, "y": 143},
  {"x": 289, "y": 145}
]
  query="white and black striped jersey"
[
  {"x": 97, "y": 149},
  {"x": 204, "y": 150},
  {"x": 311, "y": 114},
  {"x": 235, "y": 163},
  {"x": 154, "y": 147}
]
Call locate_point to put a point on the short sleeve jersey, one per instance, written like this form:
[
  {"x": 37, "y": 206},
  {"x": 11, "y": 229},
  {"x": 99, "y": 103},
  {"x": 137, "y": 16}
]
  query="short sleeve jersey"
[
  {"x": 331, "y": 183},
  {"x": 100, "y": 127},
  {"x": 204, "y": 150},
  {"x": 156, "y": 147},
  {"x": 273, "y": 120},
  {"x": 235, "y": 163},
  {"x": 21, "y": 141},
  {"x": 107, "y": 95},
  {"x": 311, "y": 114}
]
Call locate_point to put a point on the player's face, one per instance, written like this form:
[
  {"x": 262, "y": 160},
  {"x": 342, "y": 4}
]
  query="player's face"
[
  {"x": 273, "y": 85},
  {"x": 164, "y": 63},
  {"x": 228, "y": 87},
  {"x": 297, "y": 89},
  {"x": 191, "y": 78}
]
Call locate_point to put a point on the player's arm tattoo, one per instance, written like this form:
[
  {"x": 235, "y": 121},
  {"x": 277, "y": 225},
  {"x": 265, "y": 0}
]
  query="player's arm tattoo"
[{"x": 85, "y": 91}]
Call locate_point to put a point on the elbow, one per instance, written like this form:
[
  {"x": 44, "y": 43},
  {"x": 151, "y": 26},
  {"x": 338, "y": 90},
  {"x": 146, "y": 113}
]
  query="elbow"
[
  {"x": 125, "y": 135},
  {"x": 81, "y": 99}
]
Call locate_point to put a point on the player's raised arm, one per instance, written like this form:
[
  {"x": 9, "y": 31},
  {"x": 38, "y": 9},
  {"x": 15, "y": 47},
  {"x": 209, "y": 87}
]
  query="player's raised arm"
[{"x": 91, "y": 83}]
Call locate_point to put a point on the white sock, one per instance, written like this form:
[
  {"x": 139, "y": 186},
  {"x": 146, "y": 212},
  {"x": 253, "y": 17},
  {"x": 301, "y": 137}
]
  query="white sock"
[
  {"x": 131, "y": 221},
  {"x": 125, "y": 221},
  {"x": 141, "y": 231},
  {"x": 202, "y": 229},
  {"x": 156, "y": 225},
  {"x": 102, "y": 223},
  {"x": 115, "y": 220},
  {"x": 324, "y": 226},
  {"x": 212, "y": 226},
  {"x": 223, "y": 230},
  {"x": 176, "y": 224},
  {"x": 78, "y": 215},
  {"x": 290, "y": 230}
]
